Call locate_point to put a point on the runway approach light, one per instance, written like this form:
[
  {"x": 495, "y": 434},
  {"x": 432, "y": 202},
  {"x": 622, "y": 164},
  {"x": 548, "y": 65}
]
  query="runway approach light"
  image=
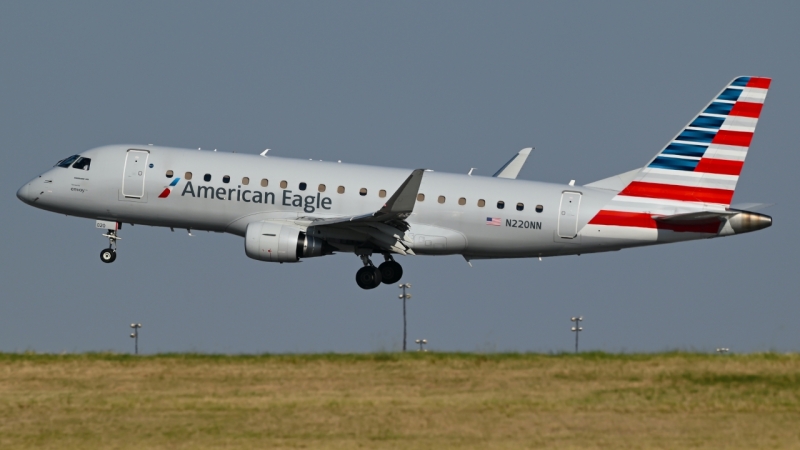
[
  {"x": 135, "y": 336},
  {"x": 577, "y": 329}
]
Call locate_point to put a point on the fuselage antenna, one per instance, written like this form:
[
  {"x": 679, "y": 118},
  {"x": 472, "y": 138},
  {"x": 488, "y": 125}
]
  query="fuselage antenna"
[{"x": 264, "y": 153}]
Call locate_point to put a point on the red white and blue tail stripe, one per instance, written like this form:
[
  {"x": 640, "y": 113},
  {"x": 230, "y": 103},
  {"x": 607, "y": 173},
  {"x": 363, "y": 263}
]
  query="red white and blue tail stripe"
[{"x": 698, "y": 169}]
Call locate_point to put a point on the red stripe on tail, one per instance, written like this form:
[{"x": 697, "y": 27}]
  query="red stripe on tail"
[
  {"x": 746, "y": 109},
  {"x": 756, "y": 82},
  {"x": 738, "y": 138},
  {"x": 720, "y": 166},
  {"x": 680, "y": 193}
]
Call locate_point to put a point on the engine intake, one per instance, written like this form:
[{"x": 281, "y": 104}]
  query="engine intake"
[{"x": 267, "y": 241}]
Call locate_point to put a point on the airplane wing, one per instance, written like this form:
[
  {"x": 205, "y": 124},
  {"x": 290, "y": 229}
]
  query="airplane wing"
[
  {"x": 514, "y": 165},
  {"x": 384, "y": 228}
]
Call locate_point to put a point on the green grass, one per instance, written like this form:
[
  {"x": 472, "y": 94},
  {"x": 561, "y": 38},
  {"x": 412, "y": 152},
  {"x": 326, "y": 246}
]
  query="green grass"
[{"x": 400, "y": 400}]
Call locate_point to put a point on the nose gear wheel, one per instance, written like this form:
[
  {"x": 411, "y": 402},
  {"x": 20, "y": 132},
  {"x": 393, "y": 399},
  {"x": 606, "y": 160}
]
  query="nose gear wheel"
[{"x": 109, "y": 255}]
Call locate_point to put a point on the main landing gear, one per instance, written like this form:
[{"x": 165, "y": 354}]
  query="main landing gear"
[
  {"x": 370, "y": 277},
  {"x": 109, "y": 255}
]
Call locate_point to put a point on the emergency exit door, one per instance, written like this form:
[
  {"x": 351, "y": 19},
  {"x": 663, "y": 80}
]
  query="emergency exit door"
[
  {"x": 568, "y": 215},
  {"x": 134, "y": 172}
]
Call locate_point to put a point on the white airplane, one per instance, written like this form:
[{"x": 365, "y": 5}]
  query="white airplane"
[{"x": 289, "y": 209}]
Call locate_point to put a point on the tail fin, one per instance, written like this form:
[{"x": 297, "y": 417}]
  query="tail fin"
[{"x": 703, "y": 162}]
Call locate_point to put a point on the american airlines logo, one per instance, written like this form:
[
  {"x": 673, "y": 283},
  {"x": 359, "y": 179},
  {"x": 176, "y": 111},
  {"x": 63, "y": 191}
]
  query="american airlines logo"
[
  {"x": 168, "y": 190},
  {"x": 309, "y": 203}
]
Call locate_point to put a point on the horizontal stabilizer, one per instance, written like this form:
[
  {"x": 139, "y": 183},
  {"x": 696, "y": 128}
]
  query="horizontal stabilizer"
[
  {"x": 751, "y": 206},
  {"x": 695, "y": 218},
  {"x": 514, "y": 165}
]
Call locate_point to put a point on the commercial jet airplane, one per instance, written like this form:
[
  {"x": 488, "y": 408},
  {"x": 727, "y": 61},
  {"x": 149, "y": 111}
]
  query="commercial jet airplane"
[{"x": 289, "y": 209}]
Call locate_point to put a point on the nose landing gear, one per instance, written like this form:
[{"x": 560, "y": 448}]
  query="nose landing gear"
[
  {"x": 370, "y": 277},
  {"x": 109, "y": 255}
]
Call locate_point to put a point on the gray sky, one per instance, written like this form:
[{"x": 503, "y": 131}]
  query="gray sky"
[{"x": 596, "y": 88}]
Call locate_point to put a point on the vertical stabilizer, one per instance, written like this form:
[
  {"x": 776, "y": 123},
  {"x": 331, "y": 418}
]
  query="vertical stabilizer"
[
  {"x": 697, "y": 170},
  {"x": 703, "y": 162}
]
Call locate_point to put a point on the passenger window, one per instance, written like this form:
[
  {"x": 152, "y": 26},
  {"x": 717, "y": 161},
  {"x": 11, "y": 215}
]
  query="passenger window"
[
  {"x": 169, "y": 174},
  {"x": 382, "y": 193},
  {"x": 82, "y": 164},
  {"x": 340, "y": 189},
  {"x": 321, "y": 188},
  {"x": 520, "y": 206},
  {"x": 441, "y": 199},
  {"x": 226, "y": 179},
  {"x": 420, "y": 197},
  {"x": 362, "y": 192},
  {"x": 462, "y": 201},
  {"x": 284, "y": 184},
  {"x": 481, "y": 203},
  {"x": 207, "y": 177},
  {"x": 303, "y": 186},
  {"x": 187, "y": 175},
  {"x": 501, "y": 204},
  {"x": 264, "y": 182},
  {"x": 539, "y": 208},
  {"x": 245, "y": 181},
  {"x": 67, "y": 161}
]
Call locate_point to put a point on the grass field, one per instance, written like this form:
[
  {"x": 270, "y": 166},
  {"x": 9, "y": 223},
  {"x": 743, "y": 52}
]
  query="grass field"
[{"x": 413, "y": 400}]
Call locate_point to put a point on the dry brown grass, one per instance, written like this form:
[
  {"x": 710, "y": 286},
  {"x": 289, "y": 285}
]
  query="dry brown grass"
[{"x": 400, "y": 401}]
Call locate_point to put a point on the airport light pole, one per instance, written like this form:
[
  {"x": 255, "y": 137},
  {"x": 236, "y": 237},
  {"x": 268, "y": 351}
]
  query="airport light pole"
[
  {"x": 421, "y": 342},
  {"x": 135, "y": 336},
  {"x": 404, "y": 297},
  {"x": 723, "y": 350},
  {"x": 577, "y": 329}
]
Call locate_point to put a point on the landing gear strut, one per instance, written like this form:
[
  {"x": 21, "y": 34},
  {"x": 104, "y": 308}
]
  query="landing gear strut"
[
  {"x": 109, "y": 255},
  {"x": 370, "y": 277}
]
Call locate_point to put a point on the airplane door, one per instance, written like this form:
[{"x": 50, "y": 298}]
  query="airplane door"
[
  {"x": 134, "y": 172},
  {"x": 568, "y": 214}
]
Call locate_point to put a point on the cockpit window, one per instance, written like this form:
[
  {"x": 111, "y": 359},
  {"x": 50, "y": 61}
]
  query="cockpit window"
[
  {"x": 83, "y": 164},
  {"x": 66, "y": 162}
]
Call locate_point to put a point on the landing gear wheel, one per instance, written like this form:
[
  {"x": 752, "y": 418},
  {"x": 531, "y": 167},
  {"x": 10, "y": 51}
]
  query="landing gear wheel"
[
  {"x": 368, "y": 277},
  {"x": 391, "y": 272},
  {"x": 108, "y": 255}
]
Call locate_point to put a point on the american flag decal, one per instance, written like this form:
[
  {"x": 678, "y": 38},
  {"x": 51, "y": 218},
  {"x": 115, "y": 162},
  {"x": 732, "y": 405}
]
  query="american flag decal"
[{"x": 493, "y": 221}]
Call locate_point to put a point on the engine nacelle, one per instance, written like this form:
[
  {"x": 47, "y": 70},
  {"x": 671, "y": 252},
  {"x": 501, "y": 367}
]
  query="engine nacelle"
[{"x": 267, "y": 241}]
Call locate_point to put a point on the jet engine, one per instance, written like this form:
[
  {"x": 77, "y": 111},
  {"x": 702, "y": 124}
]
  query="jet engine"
[{"x": 268, "y": 241}]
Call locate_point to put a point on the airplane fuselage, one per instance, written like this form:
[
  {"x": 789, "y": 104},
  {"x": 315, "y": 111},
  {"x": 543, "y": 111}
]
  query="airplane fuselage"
[
  {"x": 499, "y": 218},
  {"x": 289, "y": 209}
]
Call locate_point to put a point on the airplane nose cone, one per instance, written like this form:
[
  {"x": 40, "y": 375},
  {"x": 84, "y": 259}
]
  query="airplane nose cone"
[{"x": 23, "y": 195}]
